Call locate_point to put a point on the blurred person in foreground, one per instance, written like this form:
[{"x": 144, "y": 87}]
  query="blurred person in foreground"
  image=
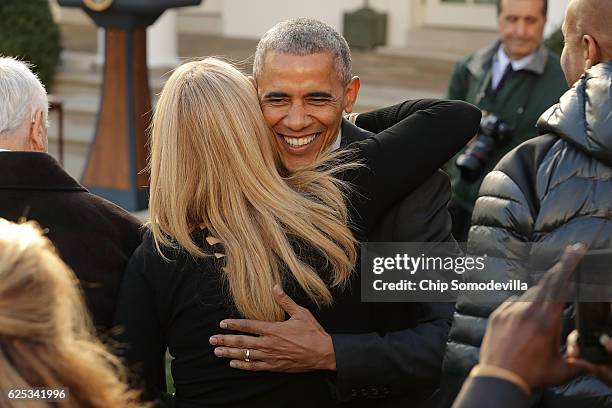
[
  {"x": 520, "y": 353},
  {"x": 513, "y": 81},
  {"x": 549, "y": 192},
  {"x": 390, "y": 353},
  {"x": 233, "y": 235},
  {"x": 93, "y": 236},
  {"x": 46, "y": 336}
]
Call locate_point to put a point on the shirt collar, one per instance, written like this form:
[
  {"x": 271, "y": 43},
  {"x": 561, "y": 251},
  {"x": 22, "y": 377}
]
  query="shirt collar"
[
  {"x": 336, "y": 145},
  {"x": 479, "y": 63},
  {"x": 517, "y": 65}
]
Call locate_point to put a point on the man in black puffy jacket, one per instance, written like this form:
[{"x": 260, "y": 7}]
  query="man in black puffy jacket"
[{"x": 547, "y": 193}]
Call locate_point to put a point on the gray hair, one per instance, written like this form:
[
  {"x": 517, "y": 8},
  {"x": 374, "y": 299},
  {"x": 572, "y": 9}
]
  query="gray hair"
[
  {"x": 21, "y": 95},
  {"x": 304, "y": 36}
]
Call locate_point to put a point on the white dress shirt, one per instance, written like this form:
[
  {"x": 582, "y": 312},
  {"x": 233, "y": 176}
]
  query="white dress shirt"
[{"x": 501, "y": 61}]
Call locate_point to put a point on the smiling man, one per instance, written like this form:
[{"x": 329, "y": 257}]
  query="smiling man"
[
  {"x": 302, "y": 98},
  {"x": 383, "y": 355},
  {"x": 516, "y": 79}
]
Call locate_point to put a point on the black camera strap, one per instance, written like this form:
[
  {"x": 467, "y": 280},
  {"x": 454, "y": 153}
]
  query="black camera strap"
[
  {"x": 508, "y": 72},
  {"x": 487, "y": 91}
]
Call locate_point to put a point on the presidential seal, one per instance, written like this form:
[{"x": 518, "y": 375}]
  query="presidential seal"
[{"x": 98, "y": 5}]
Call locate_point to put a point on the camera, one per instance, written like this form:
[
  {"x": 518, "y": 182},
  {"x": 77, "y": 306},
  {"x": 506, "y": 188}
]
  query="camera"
[
  {"x": 593, "y": 304},
  {"x": 493, "y": 132}
]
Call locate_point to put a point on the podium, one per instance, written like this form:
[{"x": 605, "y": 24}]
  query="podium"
[{"x": 116, "y": 163}]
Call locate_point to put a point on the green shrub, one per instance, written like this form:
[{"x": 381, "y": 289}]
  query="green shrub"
[
  {"x": 28, "y": 32},
  {"x": 555, "y": 41}
]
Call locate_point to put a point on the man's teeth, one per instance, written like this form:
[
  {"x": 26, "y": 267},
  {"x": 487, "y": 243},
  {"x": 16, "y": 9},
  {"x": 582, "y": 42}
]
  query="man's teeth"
[{"x": 299, "y": 141}]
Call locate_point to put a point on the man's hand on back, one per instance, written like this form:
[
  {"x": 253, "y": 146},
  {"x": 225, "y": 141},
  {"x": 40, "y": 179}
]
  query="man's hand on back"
[{"x": 296, "y": 345}]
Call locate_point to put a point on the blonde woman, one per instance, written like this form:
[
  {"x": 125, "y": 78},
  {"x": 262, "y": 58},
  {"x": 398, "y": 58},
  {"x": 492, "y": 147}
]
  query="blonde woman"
[
  {"x": 227, "y": 224},
  {"x": 46, "y": 336}
]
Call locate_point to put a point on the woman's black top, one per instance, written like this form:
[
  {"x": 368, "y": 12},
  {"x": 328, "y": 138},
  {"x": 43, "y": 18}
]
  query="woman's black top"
[{"x": 178, "y": 304}]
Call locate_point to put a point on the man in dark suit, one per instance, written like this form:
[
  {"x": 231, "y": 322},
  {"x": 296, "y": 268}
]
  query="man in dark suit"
[
  {"x": 93, "y": 236},
  {"x": 304, "y": 81}
]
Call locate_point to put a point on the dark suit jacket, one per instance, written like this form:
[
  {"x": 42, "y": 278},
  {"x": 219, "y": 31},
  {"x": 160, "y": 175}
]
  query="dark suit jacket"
[
  {"x": 485, "y": 392},
  {"x": 398, "y": 361},
  {"x": 93, "y": 236}
]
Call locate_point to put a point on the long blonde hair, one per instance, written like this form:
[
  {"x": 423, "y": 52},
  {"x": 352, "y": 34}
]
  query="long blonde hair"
[
  {"x": 213, "y": 164},
  {"x": 46, "y": 336}
]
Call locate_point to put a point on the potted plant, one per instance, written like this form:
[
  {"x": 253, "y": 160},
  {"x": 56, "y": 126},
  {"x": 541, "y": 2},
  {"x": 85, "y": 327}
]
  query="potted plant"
[{"x": 28, "y": 32}]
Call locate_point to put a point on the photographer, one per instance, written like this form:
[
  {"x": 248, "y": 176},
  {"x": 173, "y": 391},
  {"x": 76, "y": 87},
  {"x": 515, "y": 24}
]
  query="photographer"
[{"x": 514, "y": 81}]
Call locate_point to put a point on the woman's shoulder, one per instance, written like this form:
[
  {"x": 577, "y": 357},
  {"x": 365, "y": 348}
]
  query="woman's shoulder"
[
  {"x": 172, "y": 280},
  {"x": 160, "y": 262},
  {"x": 152, "y": 251}
]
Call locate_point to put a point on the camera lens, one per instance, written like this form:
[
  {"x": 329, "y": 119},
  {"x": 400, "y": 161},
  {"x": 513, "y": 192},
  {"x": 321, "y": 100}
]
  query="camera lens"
[
  {"x": 469, "y": 165},
  {"x": 492, "y": 133}
]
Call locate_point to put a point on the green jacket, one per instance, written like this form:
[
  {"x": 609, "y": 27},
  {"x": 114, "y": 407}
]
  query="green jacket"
[{"x": 519, "y": 102}]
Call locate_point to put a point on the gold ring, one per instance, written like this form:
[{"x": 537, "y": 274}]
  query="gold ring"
[{"x": 247, "y": 355}]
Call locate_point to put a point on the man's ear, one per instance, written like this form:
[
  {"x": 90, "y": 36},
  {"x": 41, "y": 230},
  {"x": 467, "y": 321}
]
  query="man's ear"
[
  {"x": 351, "y": 93},
  {"x": 36, "y": 136},
  {"x": 592, "y": 53}
]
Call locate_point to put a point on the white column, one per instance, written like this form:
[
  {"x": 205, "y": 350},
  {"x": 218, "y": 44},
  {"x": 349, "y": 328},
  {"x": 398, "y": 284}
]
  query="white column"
[
  {"x": 556, "y": 13},
  {"x": 162, "y": 42},
  {"x": 56, "y": 12},
  {"x": 400, "y": 19},
  {"x": 100, "y": 52}
]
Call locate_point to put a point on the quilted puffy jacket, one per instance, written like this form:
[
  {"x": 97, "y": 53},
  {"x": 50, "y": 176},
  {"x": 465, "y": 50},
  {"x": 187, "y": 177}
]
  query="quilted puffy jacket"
[{"x": 549, "y": 192}]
